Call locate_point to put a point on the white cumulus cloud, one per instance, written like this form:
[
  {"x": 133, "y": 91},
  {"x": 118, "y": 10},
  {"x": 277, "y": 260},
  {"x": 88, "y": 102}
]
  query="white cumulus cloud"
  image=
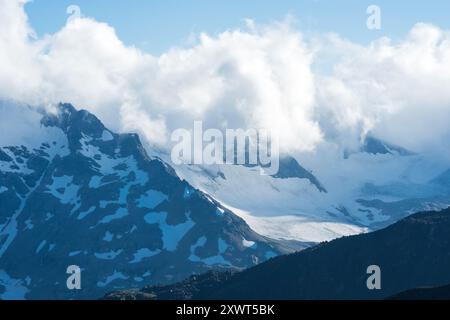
[{"x": 255, "y": 77}]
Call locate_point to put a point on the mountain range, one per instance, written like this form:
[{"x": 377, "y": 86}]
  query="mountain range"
[
  {"x": 83, "y": 195},
  {"x": 73, "y": 192},
  {"x": 330, "y": 193},
  {"x": 412, "y": 253}
]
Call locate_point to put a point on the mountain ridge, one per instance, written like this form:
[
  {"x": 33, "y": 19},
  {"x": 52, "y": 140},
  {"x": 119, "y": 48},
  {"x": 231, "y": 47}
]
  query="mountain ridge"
[
  {"x": 93, "y": 198},
  {"x": 414, "y": 252}
]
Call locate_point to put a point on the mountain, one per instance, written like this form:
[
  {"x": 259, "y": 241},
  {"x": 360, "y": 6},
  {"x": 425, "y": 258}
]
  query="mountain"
[
  {"x": 375, "y": 146},
  {"x": 75, "y": 193},
  {"x": 291, "y": 169},
  {"x": 443, "y": 180},
  {"x": 414, "y": 252},
  {"x": 191, "y": 288},
  {"x": 323, "y": 195},
  {"x": 438, "y": 293}
]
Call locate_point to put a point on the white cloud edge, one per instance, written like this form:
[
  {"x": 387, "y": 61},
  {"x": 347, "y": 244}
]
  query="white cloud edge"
[{"x": 259, "y": 77}]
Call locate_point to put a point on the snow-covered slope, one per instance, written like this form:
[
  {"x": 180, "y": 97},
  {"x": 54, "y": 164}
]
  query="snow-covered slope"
[
  {"x": 74, "y": 193},
  {"x": 342, "y": 193}
]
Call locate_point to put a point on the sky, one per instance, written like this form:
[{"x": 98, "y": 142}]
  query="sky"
[
  {"x": 310, "y": 71},
  {"x": 155, "y": 26}
]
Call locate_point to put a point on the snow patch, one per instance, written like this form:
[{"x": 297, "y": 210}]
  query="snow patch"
[
  {"x": 120, "y": 213},
  {"x": 151, "y": 199},
  {"x": 63, "y": 189},
  {"x": 107, "y": 136},
  {"x": 114, "y": 277},
  {"x": 188, "y": 193},
  {"x": 84, "y": 214},
  {"x": 29, "y": 224},
  {"x": 199, "y": 244},
  {"x": 48, "y": 216},
  {"x": 144, "y": 253},
  {"x": 172, "y": 235},
  {"x": 41, "y": 246},
  {"x": 111, "y": 255},
  {"x": 270, "y": 255},
  {"x": 14, "y": 289},
  {"x": 214, "y": 260},
  {"x": 108, "y": 236},
  {"x": 147, "y": 274},
  {"x": 249, "y": 244},
  {"x": 95, "y": 182},
  {"x": 75, "y": 253}
]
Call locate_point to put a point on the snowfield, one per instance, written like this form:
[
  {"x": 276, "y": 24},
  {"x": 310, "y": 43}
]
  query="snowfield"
[{"x": 364, "y": 191}]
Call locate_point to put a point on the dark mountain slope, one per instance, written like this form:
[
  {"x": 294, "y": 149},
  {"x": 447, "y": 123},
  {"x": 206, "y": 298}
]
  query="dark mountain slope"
[
  {"x": 290, "y": 168},
  {"x": 438, "y": 293},
  {"x": 414, "y": 252}
]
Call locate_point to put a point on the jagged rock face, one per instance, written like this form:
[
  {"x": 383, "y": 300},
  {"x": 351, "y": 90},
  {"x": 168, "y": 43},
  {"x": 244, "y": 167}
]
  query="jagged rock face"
[
  {"x": 376, "y": 146},
  {"x": 92, "y": 198},
  {"x": 290, "y": 168}
]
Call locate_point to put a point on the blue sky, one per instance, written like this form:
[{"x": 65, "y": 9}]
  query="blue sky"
[{"x": 154, "y": 26}]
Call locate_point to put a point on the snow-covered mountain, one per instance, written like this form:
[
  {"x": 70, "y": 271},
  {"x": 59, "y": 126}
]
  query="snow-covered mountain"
[
  {"x": 74, "y": 193},
  {"x": 328, "y": 194}
]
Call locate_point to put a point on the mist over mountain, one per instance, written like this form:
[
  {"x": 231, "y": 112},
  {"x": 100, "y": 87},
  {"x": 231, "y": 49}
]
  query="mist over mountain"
[{"x": 319, "y": 198}]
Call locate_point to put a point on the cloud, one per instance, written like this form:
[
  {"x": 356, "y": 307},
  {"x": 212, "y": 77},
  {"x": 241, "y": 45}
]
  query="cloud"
[
  {"x": 19, "y": 75},
  {"x": 258, "y": 77},
  {"x": 398, "y": 91}
]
